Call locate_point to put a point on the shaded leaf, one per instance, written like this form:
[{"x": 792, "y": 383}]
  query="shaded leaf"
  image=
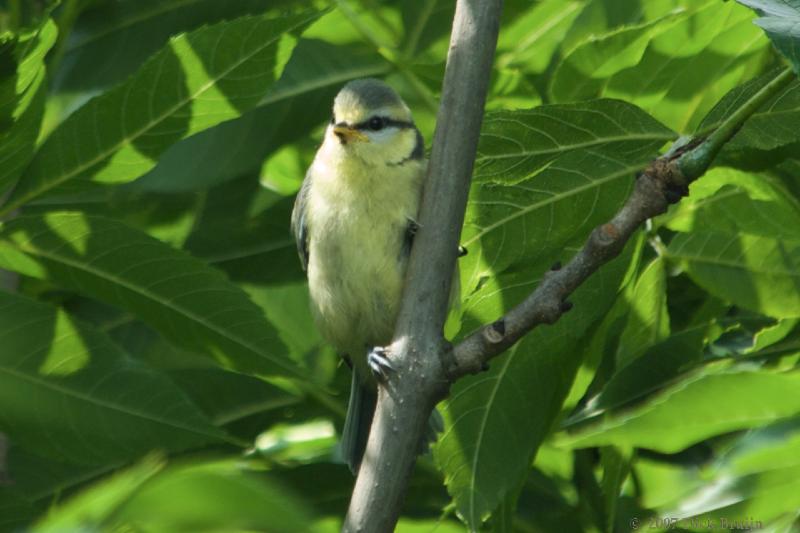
[
  {"x": 92, "y": 404},
  {"x": 178, "y": 295},
  {"x": 496, "y": 420},
  {"x": 112, "y": 39},
  {"x": 298, "y": 101},
  {"x": 198, "y": 80}
]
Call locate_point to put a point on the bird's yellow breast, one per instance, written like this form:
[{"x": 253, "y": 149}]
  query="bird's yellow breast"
[{"x": 357, "y": 218}]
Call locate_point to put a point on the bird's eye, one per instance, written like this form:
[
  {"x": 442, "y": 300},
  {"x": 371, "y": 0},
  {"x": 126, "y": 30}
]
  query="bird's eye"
[{"x": 375, "y": 123}]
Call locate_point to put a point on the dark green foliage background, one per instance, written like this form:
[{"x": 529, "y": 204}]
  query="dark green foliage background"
[{"x": 159, "y": 370}]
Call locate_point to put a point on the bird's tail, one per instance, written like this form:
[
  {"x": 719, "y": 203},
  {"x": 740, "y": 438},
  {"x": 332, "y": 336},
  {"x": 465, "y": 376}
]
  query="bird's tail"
[{"x": 358, "y": 421}]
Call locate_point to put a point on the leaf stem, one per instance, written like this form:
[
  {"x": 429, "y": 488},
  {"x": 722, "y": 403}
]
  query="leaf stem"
[{"x": 694, "y": 163}]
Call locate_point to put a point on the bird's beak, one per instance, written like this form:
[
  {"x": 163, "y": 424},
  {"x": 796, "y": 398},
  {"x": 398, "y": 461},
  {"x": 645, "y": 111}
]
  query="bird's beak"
[{"x": 347, "y": 134}]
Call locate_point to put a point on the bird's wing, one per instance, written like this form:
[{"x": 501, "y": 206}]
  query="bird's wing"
[{"x": 299, "y": 225}]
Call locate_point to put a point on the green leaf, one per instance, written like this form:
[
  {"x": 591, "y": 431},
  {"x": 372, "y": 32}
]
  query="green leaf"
[
  {"x": 616, "y": 464},
  {"x": 781, "y": 20},
  {"x": 93, "y": 403},
  {"x": 537, "y": 168},
  {"x": 760, "y": 273},
  {"x": 648, "y": 319},
  {"x": 188, "y": 302},
  {"x": 773, "y": 126},
  {"x": 659, "y": 365},
  {"x": 766, "y": 448},
  {"x": 15, "y": 510},
  {"x": 684, "y": 71},
  {"x": 491, "y": 435},
  {"x": 707, "y": 403},
  {"x": 90, "y": 509},
  {"x": 243, "y": 229},
  {"x": 226, "y": 397},
  {"x": 530, "y": 38},
  {"x": 735, "y": 200},
  {"x": 582, "y": 72},
  {"x": 214, "y": 495},
  {"x": 200, "y": 79},
  {"x": 22, "y": 100},
  {"x": 298, "y": 101},
  {"x": 110, "y": 40}
]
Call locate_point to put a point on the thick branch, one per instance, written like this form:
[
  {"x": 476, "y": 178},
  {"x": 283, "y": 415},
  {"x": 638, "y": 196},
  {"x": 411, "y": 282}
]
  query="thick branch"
[{"x": 419, "y": 381}]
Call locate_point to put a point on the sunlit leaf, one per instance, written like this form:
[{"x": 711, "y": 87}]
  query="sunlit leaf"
[
  {"x": 706, "y": 403},
  {"x": 22, "y": 90},
  {"x": 178, "y": 295},
  {"x": 544, "y": 177},
  {"x": 198, "y": 80}
]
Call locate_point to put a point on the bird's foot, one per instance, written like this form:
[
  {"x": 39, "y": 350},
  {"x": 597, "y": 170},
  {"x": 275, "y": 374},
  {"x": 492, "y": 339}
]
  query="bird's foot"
[{"x": 379, "y": 363}]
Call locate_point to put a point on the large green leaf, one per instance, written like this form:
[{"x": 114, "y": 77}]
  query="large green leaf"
[
  {"x": 198, "y": 80},
  {"x": 178, "y": 295},
  {"x": 740, "y": 241},
  {"x": 243, "y": 229},
  {"x": 582, "y": 72},
  {"x": 706, "y": 403},
  {"x": 536, "y": 169},
  {"x": 298, "y": 101},
  {"x": 736, "y": 200},
  {"x": 781, "y": 20},
  {"x": 771, "y": 127},
  {"x": 758, "y": 272},
  {"x": 212, "y": 495},
  {"x": 22, "y": 88},
  {"x": 68, "y": 392},
  {"x": 111, "y": 39},
  {"x": 685, "y": 71},
  {"x": 496, "y": 420},
  {"x": 89, "y": 510},
  {"x": 529, "y": 38}
]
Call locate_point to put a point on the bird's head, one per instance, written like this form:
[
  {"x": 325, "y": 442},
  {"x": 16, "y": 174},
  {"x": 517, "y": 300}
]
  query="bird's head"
[{"x": 371, "y": 122}]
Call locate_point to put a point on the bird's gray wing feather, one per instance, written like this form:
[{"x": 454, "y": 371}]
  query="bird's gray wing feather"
[{"x": 299, "y": 224}]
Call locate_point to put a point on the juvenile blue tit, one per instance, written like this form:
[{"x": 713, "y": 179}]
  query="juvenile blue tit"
[{"x": 354, "y": 221}]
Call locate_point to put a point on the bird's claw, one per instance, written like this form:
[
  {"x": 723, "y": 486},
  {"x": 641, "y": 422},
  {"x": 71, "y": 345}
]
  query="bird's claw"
[{"x": 379, "y": 363}]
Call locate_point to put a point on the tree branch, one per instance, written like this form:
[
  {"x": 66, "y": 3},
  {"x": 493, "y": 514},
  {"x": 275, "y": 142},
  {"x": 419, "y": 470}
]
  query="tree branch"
[
  {"x": 418, "y": 351},
  {"x": 666, "y": 180}
]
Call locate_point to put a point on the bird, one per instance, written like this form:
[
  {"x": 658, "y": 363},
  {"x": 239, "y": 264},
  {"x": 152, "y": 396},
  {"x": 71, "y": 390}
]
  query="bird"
[{"x": 354, "y": 221}]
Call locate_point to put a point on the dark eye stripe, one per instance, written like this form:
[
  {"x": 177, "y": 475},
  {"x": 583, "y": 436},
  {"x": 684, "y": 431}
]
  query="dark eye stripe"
[{"x": 387, "y": 123}]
